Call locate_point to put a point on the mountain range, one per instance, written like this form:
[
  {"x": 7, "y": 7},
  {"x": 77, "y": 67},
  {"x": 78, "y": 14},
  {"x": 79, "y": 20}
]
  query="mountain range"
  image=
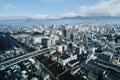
[{"x": 63, "y": 20}]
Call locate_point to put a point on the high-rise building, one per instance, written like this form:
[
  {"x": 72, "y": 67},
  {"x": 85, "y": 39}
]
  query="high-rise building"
[
  {"x": 78, "y": 50},
  {"x": 66, "y": 33},
  {"x": 72, "y": 37},
  {"x": 46, "y": 42}
]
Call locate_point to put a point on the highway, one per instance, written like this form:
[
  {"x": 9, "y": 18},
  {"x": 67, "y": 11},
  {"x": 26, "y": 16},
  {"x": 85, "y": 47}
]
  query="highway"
[
  {"x": 21, "y": 58},
  {"x": 24, "y": 57}
]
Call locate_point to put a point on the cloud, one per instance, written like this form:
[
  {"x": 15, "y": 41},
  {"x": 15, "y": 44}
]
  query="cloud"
[
  {"x": 69, "y": 14},
  {"x": 46, "y": 17},
  {"x": 103, "y": 8},
  {"x": 39, "y": 16},
  {"x": 47, "y": 1},
  {"x": 9, "y": 6}
]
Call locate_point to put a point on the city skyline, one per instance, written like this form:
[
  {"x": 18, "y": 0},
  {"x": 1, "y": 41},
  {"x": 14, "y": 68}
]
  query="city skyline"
[
  {"x": 43, "y": 9},
  {"x": 59, "y": 39}
]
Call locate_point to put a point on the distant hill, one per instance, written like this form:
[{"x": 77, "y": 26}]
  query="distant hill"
[{"x": 64, "y": 20}]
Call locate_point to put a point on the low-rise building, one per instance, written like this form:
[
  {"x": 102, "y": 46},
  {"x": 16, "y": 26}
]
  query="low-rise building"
[
  {"x": 46, "y": 76},
  {"x": 75, "y": 70},
  {"x": 63, "y": 60},
  {"x": 73, "y": 63}
]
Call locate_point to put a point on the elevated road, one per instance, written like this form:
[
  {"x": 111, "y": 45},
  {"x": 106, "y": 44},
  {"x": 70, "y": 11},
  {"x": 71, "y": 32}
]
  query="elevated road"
[{"x": 13, "y": 61}]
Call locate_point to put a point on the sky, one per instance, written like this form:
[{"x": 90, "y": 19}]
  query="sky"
[{"x": 59, "y": 8}]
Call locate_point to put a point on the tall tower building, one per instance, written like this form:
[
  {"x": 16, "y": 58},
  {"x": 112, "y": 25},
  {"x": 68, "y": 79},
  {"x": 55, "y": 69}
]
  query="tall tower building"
[{"x": 72, "y": 37}]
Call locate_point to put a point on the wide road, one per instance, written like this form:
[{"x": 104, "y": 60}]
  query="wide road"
[{"x": 13, "y": 61}]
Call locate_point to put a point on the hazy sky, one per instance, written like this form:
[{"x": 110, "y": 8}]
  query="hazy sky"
[{"x": 59, "y": 8}]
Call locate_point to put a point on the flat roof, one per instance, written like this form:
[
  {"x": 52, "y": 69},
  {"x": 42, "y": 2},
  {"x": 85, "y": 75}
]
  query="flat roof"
[
  {"x": 65, "y": 56},
  {"x": 107, "y": 53},
  {"x": 73, "y": 61}
]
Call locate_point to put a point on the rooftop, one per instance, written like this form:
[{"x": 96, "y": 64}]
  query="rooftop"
[
  {"x": 73, "y": 61},
  {"x": 65, "y": 56}
]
